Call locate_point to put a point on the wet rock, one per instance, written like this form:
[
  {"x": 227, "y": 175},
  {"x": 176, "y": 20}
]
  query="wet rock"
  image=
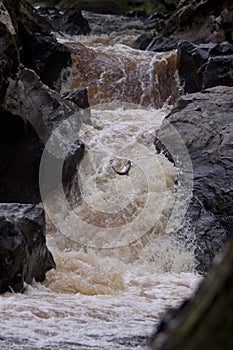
[
  {"x": 161, "y": 148},
  {"x": 197, "y": 21},
  {"x": 30, "y": 113},
  {"x": 142, "y": 42},
  {"x": 9, "y": 55},
  {"x": 35, "y": 112},
  {"x": 68, "y": 20},
  {"x": 78, "y": 96},
  {"x": 204, "y": 121},
  {"x": 205, "y": 65},
  {"x": 44, "y": 108},
  {"x": 23, "y": 252},
  {"x": 39, "y": 49}
]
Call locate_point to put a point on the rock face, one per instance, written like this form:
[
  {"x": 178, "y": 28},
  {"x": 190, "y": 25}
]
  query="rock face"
[
  {"x": 30, "y": 110},
  {"x": 31, "y": 64},
  {"x": 44, "y": 108},
  {"x": 79, "y": 96},
  {"x": 32, "y": 113},
  {"x": 196, "y": 21},
  {"x": 23, "y": 252},
  {"x": 68, "y": 20},
  {"x": 39, "y": 49},
  {"x": 205, "y": 123},
  {"x": 9, "y": 56},
  {"x": 205, "y": 65}
]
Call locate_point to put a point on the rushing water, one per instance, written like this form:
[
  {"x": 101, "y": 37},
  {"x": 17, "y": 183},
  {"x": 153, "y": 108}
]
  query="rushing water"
[{"x": 120, "y": 267}]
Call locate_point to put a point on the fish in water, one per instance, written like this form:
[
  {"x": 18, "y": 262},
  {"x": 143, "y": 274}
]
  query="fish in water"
[{"x": 124, "y": 170}]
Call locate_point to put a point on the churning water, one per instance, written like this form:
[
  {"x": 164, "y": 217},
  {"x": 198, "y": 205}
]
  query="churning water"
[{"x": 119, "y": 265}]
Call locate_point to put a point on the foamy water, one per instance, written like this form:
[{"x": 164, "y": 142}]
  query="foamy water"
[{"x": 119, "y": 265}]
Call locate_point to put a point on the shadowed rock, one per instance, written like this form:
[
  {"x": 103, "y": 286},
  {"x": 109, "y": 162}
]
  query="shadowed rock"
[
  {"x": 205, "y": 124},
  {"x": 197, "y": 21},
  {"x": 68, "y": 20},
  {"x": 23, "y": 252},
  {"x": 39, "y": 49},
  {"x": 205, "y": 65},
  {"x": 9, "y": 55},
  {"x": 32, "y": 114}
]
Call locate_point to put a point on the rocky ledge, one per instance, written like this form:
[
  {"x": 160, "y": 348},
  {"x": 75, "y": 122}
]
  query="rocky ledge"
[
  {"x": 32, "y": 64},
  {"x": 198, "y": 21},
  {"x": 24, "y": 256},
  {"x": 66, "y": 19},
  {"x": 204, "y": 121}
]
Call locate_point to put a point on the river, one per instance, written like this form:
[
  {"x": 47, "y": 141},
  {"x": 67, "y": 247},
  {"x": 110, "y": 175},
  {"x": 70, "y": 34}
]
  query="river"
[{"x": 120, "y": 267}]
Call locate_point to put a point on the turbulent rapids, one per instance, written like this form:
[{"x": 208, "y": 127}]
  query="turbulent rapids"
[{"x": 118, "y": 263}]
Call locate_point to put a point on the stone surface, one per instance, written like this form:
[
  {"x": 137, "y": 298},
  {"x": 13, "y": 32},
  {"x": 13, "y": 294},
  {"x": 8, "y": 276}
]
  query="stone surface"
[
  {"x": 68, "y": 20},
  {"x": 204, "y": 121},
  {"x": 23, "y": 252},
  {"x": 39, "y": 49},
  {"x": 32, "y": 113},
  {"x": 203, "y": 66},
  {"x": 197, "y": 21},
  {"x": 79, "y": 96},
  {"x": 44, "y": 108},
  {"x": 30, "y": 110},
  {"x": 9, "y": 55}
]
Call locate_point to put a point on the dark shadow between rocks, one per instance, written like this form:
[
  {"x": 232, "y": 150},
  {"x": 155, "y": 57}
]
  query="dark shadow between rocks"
[{"x": 20, "y": 154}]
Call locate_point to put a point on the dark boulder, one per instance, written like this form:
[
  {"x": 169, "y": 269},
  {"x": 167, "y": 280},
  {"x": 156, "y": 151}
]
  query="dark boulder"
[
  {"x": 204, "y": 122},
  {"x": 23, "y": 252},
  {"x": 205, "y": 65},
  {"x": 32, "y": 113},
  {"x": 142, "y": 42},
  {"x": 39, "y": 49},
  {"x": 9, "y": 55},
  {"x": 30, "y": 99},
  {"x": 79, "y": 96},
  {"x": 197, "y": 21},
  {"x": 68, "y": 20}
]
